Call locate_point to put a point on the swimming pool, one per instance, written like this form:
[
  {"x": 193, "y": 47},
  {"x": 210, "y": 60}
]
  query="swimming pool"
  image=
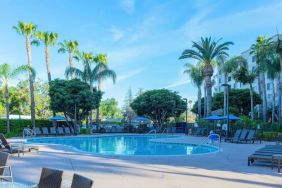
[{"x": 126, "y": 145}]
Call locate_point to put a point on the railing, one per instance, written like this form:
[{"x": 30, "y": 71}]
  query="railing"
[
  {"x": 152, "y": 131},
  {"x": 164, "y": 131},
  {"x": 212, "y": 139},
  {"x": 27, "y": 132}
]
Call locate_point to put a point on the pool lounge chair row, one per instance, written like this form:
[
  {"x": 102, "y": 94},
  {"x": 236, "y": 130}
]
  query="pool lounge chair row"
[
  {"x": 53, "y": 131},
  {"x": 243, "y": 136},
  {"x": 270, "y": 154}
]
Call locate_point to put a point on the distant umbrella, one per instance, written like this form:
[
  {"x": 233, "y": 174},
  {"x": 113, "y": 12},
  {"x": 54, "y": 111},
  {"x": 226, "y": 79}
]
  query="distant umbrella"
[
  {"x": 231, "y": 117},
  {"x": 57, "y": 118},
  {"x": 213, "y": 118},
  {"x": 141, "y": 119}
]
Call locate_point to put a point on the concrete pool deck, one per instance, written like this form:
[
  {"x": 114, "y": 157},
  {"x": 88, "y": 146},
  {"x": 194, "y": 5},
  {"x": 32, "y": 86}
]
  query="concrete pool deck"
[{"x": 227, "y": 168}]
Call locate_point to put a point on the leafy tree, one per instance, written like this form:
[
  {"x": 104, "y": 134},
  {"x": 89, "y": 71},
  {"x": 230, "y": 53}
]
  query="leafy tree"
[
  {"x": 28, "y": 30},
  {"x": 128, "y": 113},
  {"x": 109, "y": 109},
  {"x": 70, "y": 46},
  {"x": 49, "y": 39},
  {"x": 6, "y": 74},
  {"x": 278, "y": 46},
  {"x": 73, "y": 98},
  {"x": 196, "y": 75},
  {"x": 159, "y": 105},
  {"x": 239, "y": 102},
  {"x": 206, "y": 51}
]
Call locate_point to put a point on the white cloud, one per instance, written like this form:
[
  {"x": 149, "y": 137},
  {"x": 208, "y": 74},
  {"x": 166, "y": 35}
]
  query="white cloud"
[
  {"x": 178, "y": 83},
  {"x": 128, "y": 5},
  {"x": 117, "y": 33}
]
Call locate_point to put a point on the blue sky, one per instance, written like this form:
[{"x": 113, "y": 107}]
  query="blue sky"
[{"x": 143, "y": 39}]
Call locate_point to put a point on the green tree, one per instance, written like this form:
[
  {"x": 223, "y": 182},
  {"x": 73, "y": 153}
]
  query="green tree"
[
  {"x": 103, "y": 72},
  {"x": 28, "y": 30},
  {"x": 70, "y": 46},
  {"x": 272, "y": 70},
  {"x": 109, "y": 109},
  {"x": 239, "y": 101},
  {"x": 73, "y": 98},
  {"x": 6, "y": 74},
  {"x": 245, "y": 76},
  {"x": 261, "y": 49},
  {"x": 206, "y": 51},
  {"x": 278, "y": 46},
  {"x": 49, "y": 39},
  {"x": 196, "y": 75},
  {"x": 127, "y": 111},
  {"x": 159, "y": 105}
]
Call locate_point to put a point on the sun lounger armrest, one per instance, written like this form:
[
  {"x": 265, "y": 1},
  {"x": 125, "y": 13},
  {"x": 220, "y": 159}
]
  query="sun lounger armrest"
[{"x": 10, "y": 175}]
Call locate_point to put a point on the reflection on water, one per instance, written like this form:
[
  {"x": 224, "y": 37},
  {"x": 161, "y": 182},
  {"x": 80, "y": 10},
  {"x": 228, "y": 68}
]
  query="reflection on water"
[{"x": 126, "y": 145}]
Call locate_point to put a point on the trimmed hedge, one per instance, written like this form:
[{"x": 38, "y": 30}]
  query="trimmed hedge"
[
  {"x": 268, "y": 136},
  {"x": 17, "y": 125}
]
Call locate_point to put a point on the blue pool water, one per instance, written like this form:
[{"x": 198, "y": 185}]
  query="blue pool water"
[{"x": 126, "y": 145}]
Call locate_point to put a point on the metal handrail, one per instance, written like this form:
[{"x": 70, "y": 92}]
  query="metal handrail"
[
  {"x": 151, "y": 131},
  {"x": 208, "y": 141},
  {"x": 164, "y": 131},
  {"x": 27, "y": 132}
]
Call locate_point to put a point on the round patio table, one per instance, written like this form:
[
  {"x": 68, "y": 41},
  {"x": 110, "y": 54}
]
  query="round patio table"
[{"x": 14, "y": 185}]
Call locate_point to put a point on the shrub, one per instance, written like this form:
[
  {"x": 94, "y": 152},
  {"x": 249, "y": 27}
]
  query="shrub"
[
  {"x": 17, "y": 125},
  {"x": 85, "y": 131},
  {"x": 269, "y": 136}
]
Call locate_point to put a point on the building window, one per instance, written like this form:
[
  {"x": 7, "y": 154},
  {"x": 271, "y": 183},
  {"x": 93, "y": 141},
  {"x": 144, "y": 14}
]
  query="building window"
[
  {"x": 229, "y": 78},
  {"x": 253, "y": 69},
  {"x": 234, "y": 85},
  {"x": 269, "y": 96},
  {"x": 254, "y": 58},
  {"x": 219, "y": 80},
  {"x": 219, "y": 72}
]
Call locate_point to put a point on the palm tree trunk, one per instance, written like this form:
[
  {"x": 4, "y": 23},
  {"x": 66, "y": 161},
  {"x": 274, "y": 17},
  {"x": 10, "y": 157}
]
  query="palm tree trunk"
[
  {"x": 90, "y": 116},
  {"x": 99, "y": 89},
  {"x": 280, "y": 89},
  {"x": 252, "y": 101},
  {"x": 7, "y": 107},
  {"x": 260, "y": 94},
  {"x": 273, "y": 102},
  {"x": 205, "y": 100},
  {"x": 264, "y": 101},
  {"x": 199, "y": 102},
  {"x": 225, "y": 97},
  {"x": 31, "y": 84},
  {"x": 48, "y": 63},
  {"x": 70, "y": 63}
]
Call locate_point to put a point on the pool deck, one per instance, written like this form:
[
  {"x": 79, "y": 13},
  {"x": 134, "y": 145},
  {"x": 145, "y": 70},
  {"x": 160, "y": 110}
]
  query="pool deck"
[{"x": 227, "y": 168}]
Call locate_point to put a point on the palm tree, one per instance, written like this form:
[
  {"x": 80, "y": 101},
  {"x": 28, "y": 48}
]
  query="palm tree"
[
  {"x": 49, "y": 39},
  {"x": 72, "y": 48},
  {"x": 273, "y": 70},
  {"x": 103, "y": 73},
  {"x": 28, "y": 30},
  {"x": 6, "y": 74},
  {"x": 261, "y": 49},
  {"x": 206, "y": 51},
  {"x": 279, "y": 51},
  {"x": 245, "y": 76},
  {"x": 196, "y": 75},
  {"x": 228, "y": 67}
]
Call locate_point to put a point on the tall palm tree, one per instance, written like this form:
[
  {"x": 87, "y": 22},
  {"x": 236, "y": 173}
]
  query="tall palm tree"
[
  {"x": 6, "y": 74},
  {"x": 49, "y": 39},
  {"x": 196, "y": 75},
  {"x": 279, "y": 51},
  {"x": 261, "y": 49},
  {"x": 245, "y": 76},
  {"x": 28, "y": 30},
  {"x": 103, "y": 72},
  {"x": 273, "y": 70},
  {"x": 228, "y": 67},
  {"x": 207, "y": 50},
  {"x": 70, "y": 46}
]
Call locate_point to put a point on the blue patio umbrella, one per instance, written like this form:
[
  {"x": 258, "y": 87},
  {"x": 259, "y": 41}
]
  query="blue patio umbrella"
[
  {"x": 231, "y": 117},
  {"x": 213, "y": 118},
  {"x": 57, "y": 118}
]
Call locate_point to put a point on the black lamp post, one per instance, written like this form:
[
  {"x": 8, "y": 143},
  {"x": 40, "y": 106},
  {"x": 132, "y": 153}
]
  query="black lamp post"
[
  {"x": 227, "y": 106},
  {"x": 186, "y": 113}
]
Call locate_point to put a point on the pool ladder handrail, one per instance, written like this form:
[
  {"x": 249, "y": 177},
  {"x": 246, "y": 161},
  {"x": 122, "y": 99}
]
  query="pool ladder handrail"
[
  {"x": 207, "y": 141},
  {"x": 165, "y": 129},
  {"x": 151, "y": 131},
  {"x": 27, "y": 132}
]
